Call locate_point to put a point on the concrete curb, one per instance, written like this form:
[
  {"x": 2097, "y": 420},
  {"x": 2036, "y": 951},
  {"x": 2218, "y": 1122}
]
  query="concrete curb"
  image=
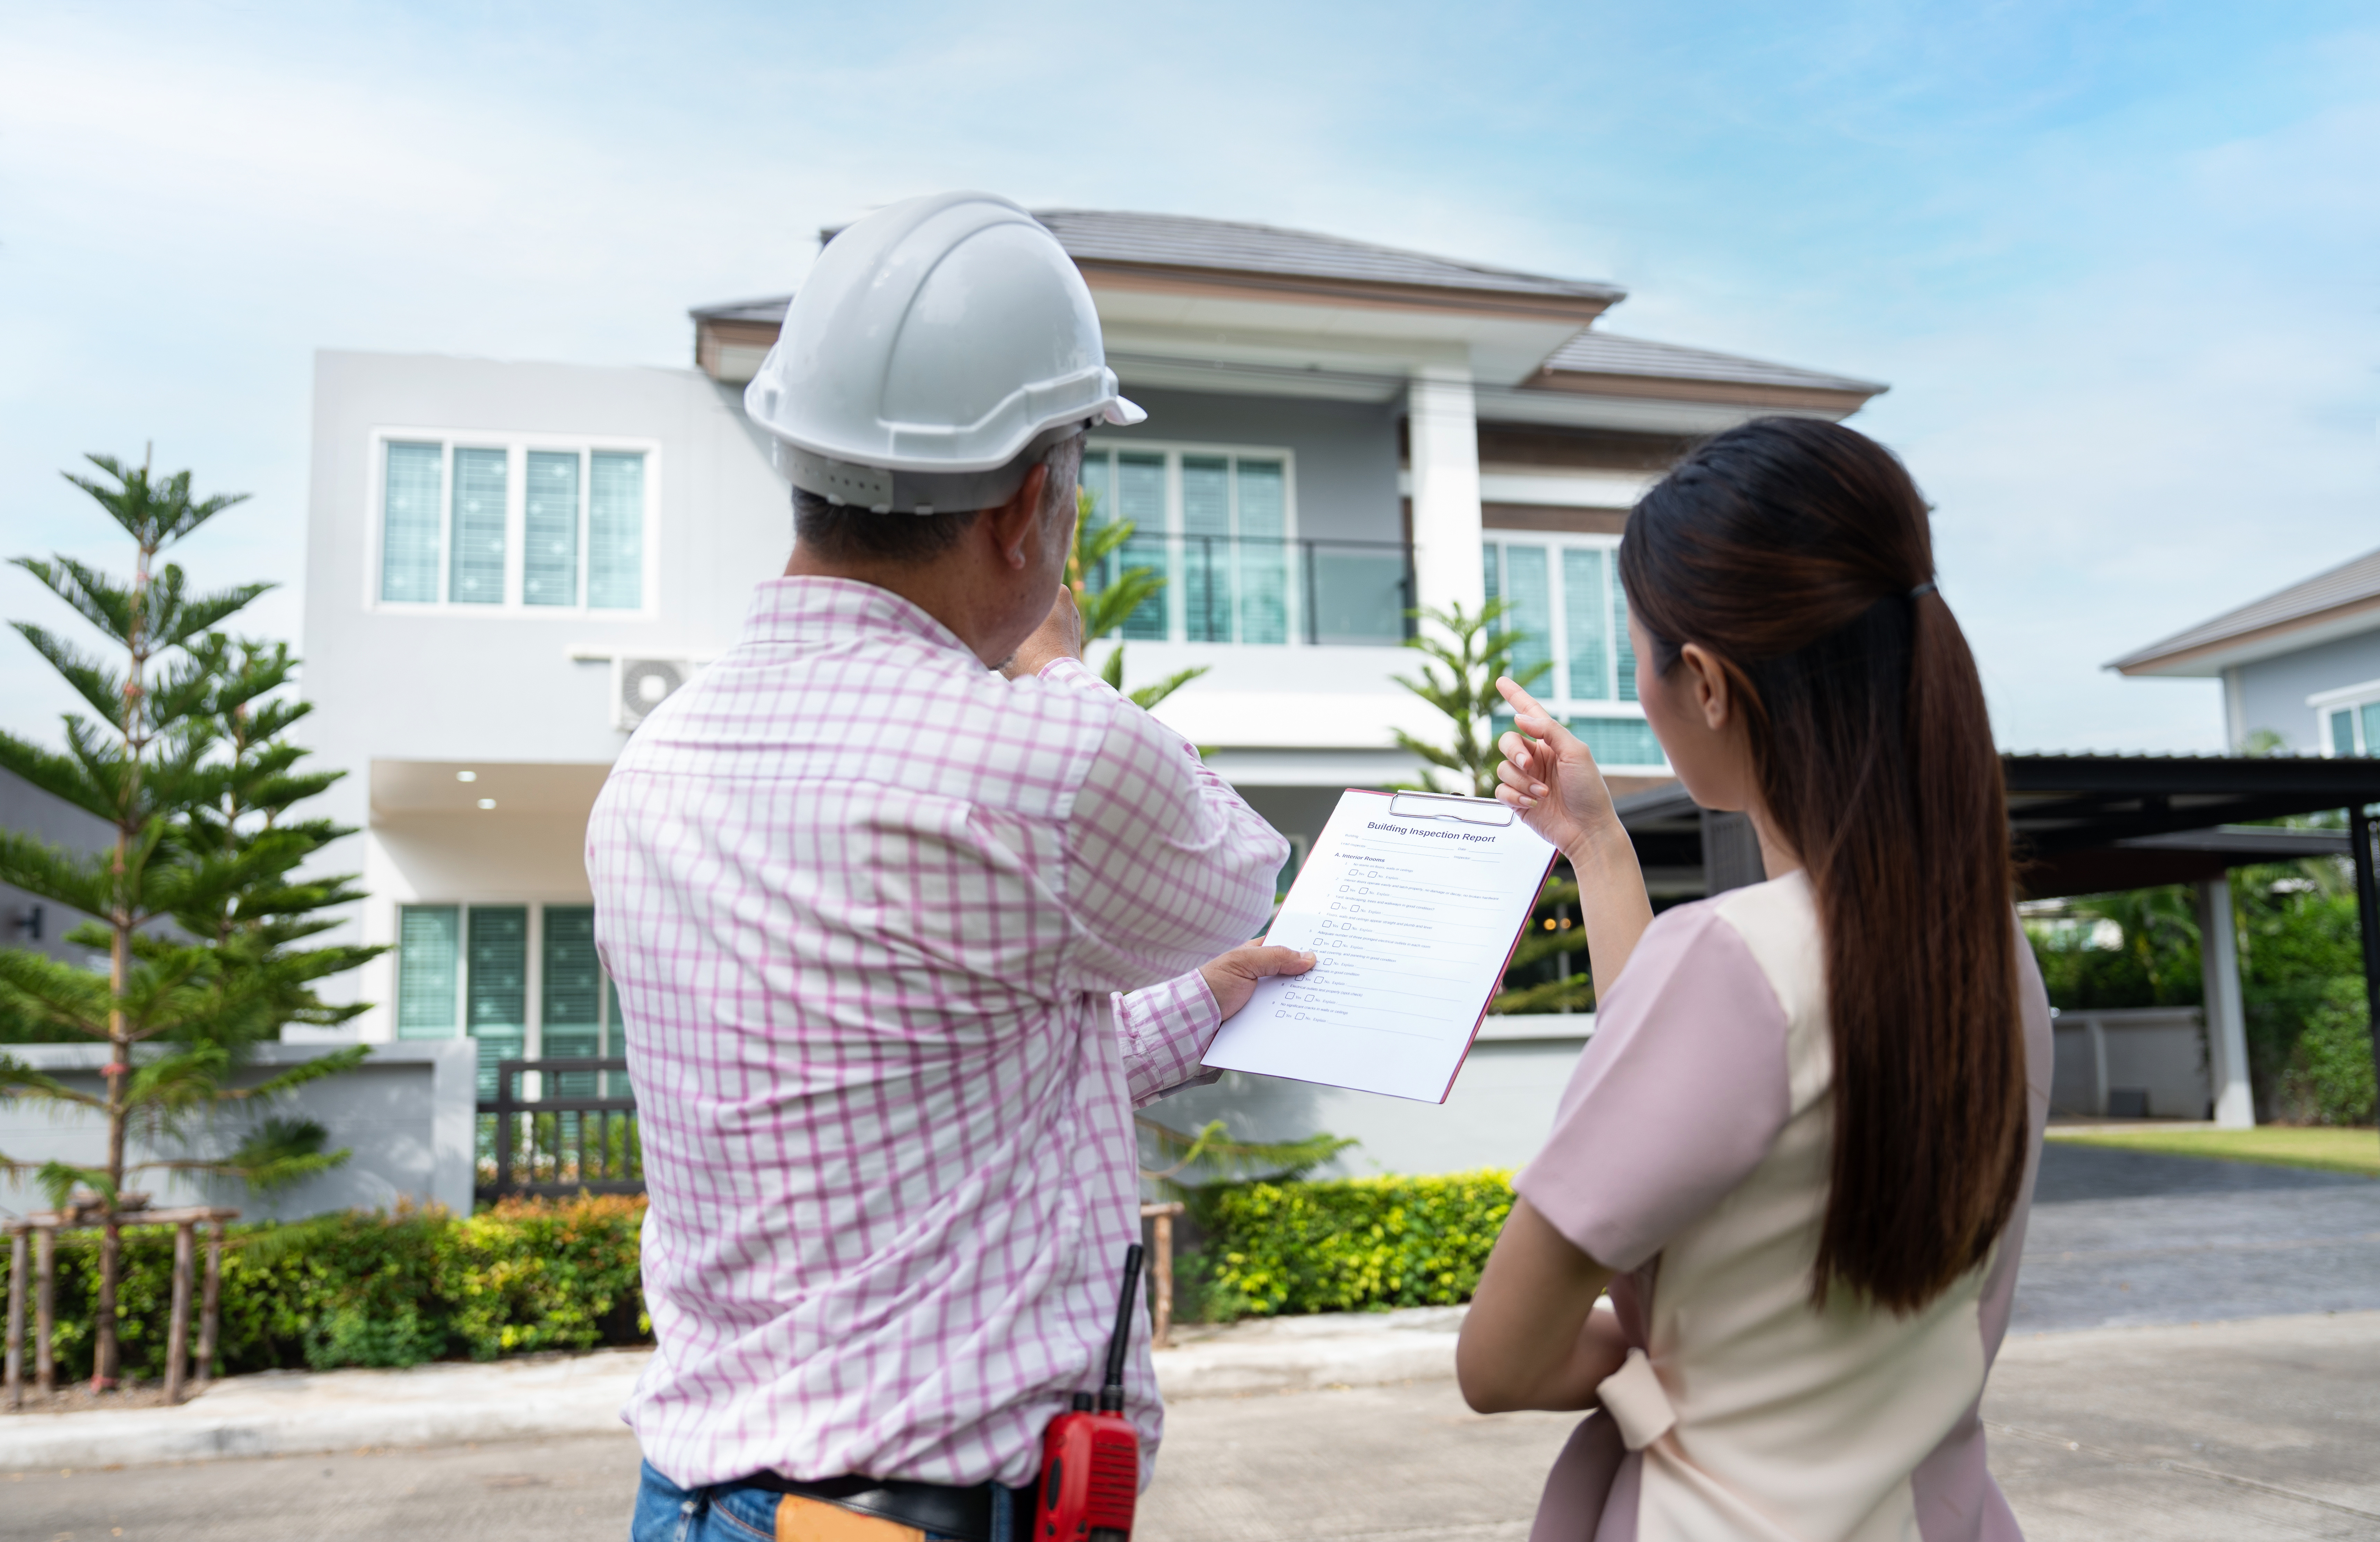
[
  {"x": 295, "y": 1413},
  {"x": 1285, "y": 1354},
  {"x": 288, "y": 1413}
]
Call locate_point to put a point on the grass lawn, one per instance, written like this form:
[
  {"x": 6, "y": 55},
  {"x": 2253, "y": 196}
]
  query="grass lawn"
[{"x": 2329, "y": 1148}]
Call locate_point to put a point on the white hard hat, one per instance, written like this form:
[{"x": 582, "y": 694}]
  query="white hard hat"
[{"x": 938, "y": 346}]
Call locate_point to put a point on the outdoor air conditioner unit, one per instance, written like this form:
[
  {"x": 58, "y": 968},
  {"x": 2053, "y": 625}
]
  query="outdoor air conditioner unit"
[{"x": 640, "y": 685}]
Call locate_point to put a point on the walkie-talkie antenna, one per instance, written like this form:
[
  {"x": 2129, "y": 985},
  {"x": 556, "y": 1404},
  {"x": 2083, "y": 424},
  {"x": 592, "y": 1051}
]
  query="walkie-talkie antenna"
[{"x": 1111, "y": 1390}]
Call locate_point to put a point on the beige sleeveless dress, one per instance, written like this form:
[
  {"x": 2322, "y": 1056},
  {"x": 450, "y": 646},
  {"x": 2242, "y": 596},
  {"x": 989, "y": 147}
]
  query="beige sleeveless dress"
[{"x": 1690, "y": 1151}]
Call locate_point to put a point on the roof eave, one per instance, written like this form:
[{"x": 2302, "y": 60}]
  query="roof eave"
[
  {"x": 2211, "y": 656},
  {"x": 1580, "y": 305},
  {"x": 1844, "y": 398}
]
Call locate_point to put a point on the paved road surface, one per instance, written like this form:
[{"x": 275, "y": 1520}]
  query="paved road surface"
[
  {"x": 2237, "y": 1430},
  {"x": 2243, "y": 1432},
  {"x": 2124, "y": 1237}
]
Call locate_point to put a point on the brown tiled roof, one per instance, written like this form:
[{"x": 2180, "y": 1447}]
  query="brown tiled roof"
[
  {"x": 2350, "y": 583},
  {"x": 1602, "y": 353},
  {"x": 1230, "y": 246}
]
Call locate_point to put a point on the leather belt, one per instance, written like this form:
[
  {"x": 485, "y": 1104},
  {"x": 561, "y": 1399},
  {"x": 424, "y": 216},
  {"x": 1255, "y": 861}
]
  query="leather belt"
[{"x": 930, "y": 1507}]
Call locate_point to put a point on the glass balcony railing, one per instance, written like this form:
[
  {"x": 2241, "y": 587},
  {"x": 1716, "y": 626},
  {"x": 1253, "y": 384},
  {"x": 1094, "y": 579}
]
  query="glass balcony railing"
[{"x": 1269, "y": 590}]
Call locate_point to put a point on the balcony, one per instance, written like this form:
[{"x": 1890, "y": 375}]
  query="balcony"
[{"x": 1269, "y": 590}]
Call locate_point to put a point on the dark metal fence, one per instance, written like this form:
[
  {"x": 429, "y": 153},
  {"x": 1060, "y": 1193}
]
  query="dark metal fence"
[{"x": 576, "y": 1135}]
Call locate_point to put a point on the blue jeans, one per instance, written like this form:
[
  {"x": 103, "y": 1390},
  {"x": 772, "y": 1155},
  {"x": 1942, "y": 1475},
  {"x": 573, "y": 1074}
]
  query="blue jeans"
[{"x": 747, "y": 1513}]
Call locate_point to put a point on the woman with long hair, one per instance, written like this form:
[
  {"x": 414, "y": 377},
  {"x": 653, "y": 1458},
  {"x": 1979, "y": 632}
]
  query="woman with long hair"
[{"x": 1799, "y": 1150}]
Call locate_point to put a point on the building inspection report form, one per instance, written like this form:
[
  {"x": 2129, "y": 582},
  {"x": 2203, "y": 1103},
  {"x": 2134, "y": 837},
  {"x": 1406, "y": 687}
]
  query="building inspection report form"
[{"x": 1414, "y": 903}]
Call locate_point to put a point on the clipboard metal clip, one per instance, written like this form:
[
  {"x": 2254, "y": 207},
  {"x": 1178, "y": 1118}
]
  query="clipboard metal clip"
[{"x": 1449, "y": 806}]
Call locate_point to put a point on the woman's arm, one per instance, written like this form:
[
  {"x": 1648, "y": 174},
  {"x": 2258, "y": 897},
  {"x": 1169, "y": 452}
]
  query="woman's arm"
[
  {"x": 1532, "y": 1338},
  {"x": 1548, "y": 774}
]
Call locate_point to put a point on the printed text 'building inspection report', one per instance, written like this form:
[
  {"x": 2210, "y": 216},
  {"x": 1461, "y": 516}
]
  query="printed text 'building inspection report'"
[{"x": 1412, "y": 904}]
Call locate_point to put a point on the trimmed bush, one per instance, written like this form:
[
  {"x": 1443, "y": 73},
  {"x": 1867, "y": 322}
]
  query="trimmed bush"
[
  {"x": 1348, "y": 1245},
  {"x": 2330, "y": 1072},
  {"x": 376, "y": 1289}
]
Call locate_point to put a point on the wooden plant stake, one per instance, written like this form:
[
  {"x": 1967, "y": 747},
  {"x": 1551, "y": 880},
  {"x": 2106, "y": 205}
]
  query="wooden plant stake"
[
  {"x": 210, "y": 1300},
  {"x": 177, "y": 1334},
  {"x": 46, "y": 1288},
  {"x": 1161, "y": 1326},
  {"x": 15, "y": 1367}
]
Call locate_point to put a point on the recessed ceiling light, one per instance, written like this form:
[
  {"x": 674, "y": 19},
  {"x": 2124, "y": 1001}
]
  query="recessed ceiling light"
[
  {"x": 467, "y": 776},
  {"x": 487, "y": 802}
]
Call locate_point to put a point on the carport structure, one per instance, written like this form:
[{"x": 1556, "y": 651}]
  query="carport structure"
[{"x": 2089, "y": 824}]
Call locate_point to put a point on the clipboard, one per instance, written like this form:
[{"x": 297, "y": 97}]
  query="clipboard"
[{"x": 1415, "y": 904}]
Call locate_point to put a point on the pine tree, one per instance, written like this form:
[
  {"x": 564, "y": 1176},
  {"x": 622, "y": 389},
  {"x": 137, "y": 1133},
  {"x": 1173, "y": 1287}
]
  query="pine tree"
[{"x": 196, "y": 902}]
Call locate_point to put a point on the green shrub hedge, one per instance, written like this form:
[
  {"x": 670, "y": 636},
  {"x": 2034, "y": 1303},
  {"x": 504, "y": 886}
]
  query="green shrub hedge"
[
  {"x": 375, "y": 1289},
  {"x": 400, "y": 1289},
  {"x": 1348, "y": 1245}
]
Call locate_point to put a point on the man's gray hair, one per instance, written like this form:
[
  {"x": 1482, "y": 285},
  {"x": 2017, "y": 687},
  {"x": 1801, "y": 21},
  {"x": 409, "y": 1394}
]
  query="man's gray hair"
[{"x": 846, "y": 533}]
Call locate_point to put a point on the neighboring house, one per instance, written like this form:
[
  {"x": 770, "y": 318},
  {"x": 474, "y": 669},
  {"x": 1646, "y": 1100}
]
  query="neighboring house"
[
  {"x": 38, "y": 924},
  {"x": 508, "y": 564},
  {"x": 2303, "y": 663}
]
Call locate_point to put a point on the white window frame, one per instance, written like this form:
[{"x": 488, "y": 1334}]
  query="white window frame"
[
  {"x": 2351, "y": 699},
  {"x": 1176, "y": 626},
  {"x": 516, "y": 446},
  {"x": 1558, "y": 645}
]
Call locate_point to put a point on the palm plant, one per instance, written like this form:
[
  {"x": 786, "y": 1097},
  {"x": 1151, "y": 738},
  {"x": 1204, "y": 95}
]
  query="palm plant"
[{"x": 1108, "y": 600}]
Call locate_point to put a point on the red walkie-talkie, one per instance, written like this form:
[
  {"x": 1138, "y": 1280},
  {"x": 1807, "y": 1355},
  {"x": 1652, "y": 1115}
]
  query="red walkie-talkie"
[{"x": 1090, "y": 1462}]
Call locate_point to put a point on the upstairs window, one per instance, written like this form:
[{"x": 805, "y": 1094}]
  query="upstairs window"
[
  {"x": 1219, "y": 526},
  {"x": 494, "y": 524},
  {"x": 1563, "y": 595},
  {"x": 2350, "y": 720}
]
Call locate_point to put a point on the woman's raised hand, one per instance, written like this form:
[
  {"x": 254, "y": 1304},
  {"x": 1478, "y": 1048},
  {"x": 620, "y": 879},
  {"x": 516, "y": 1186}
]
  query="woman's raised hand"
[{"x": 1548, "y": 774}]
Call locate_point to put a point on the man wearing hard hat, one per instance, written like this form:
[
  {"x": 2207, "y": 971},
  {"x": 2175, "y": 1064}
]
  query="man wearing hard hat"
[{"x": 907, "y": 911}]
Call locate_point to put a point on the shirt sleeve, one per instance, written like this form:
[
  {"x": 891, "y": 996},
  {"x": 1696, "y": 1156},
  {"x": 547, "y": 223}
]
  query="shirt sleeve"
[
  {"x": 1165, "y": 866},
  {"x": 1678, "y": 1097},
  {"x": 1163, "y": 1032}
]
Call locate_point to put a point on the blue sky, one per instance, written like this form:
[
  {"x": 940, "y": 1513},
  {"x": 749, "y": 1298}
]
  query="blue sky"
[{"x": 2119, "y": 262}]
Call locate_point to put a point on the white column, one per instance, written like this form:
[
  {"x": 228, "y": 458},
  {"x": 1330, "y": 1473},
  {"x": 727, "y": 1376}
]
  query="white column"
[
  {"x": 2235, "y": 711},
  {"x": 1443, "y": 432},
  {"x": 2226, "y": 1021}
]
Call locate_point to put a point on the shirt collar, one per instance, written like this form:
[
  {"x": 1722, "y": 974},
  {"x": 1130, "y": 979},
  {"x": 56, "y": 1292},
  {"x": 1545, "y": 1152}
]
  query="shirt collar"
[{"x": 816, "y": 610}]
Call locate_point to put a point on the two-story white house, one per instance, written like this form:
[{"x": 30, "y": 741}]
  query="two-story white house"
[{"x": 509, "y": 563}]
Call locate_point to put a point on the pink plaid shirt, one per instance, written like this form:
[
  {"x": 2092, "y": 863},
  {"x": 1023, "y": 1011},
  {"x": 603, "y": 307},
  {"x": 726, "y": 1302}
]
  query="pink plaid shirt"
[{"x": 870, "y": 908}]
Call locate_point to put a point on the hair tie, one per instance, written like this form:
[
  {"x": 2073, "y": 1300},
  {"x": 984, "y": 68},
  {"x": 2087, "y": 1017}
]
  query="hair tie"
[{"x": 1922, "y": 590}]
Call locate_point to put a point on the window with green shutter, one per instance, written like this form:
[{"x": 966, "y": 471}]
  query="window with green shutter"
[
  {"x": 550, "y": 528},
  {"x": 615, "y": 530},
  {"x": 476, "y": 558},
  {"x": 570, "y": 1013},
  {"x": 412, "y": 508},
  {"x": 428, "y": 970},
  {"x": 495, "y": 985}
]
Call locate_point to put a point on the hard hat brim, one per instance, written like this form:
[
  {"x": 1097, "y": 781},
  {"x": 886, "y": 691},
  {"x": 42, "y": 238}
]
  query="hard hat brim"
[{"x": 1123, "y": 413}]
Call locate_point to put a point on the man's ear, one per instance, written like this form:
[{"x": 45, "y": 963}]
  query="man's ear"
[{"x": 1012, "y": 524}]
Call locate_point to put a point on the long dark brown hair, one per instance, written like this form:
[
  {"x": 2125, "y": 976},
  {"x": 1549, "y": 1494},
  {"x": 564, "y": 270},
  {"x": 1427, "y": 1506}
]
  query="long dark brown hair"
[{"x": 1799, "y": 554}]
